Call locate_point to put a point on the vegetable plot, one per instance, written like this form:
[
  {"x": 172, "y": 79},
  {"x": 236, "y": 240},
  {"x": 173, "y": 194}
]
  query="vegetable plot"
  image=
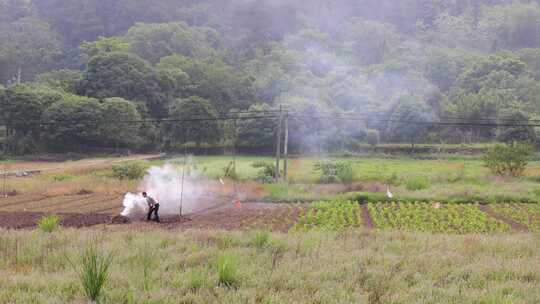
[
  {"x": 426, "y": 217},
  {"x": 333, "y": 216},
  {"x": 526, "y": 214}
]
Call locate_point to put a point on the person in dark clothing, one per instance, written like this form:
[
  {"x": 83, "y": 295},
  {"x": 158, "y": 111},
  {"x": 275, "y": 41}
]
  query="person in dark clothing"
[{"x": 153, "y": 207}]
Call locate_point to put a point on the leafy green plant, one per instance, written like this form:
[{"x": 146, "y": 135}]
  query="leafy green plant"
[
  {"x": 131, "y": 171},
  {"x": 266, "y": 173},
  {"x": 417, "y": 183},
  {"x": 49, "y": 223},
  {"x": 331, "y": 215},
  {"x": 508, "y": 160},
  {"x": 226, "y": 268},
  {"x": 93, "y": 271},
  {"x": 434, "y": 217},
  {"x": 334, "y": 171}
]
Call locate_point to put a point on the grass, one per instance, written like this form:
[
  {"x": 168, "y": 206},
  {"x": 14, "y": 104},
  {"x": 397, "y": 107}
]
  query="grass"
[
  {"x": 314, "y": 267},
  {"x": 448, "y": 180},
  {"x": 49, "y": 223},
  {"x": 226, "y": 270},
  {"x": 93, "y": 271}
]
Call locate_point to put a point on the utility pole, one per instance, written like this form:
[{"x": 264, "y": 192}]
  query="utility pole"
[
  {"x": 286, "y": 148},
  {"x": 278, "y": 144}
]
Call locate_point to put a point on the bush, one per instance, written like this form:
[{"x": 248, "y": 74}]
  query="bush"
[
  {"x": 226, "y": 267},
  {"x": 372, "y": 137},
  {"x": 417, "y": 183},
  {"x": 266, "y": 173},
  {"x": 130, "y": 171},
  {"x": 335, "y": 171},
  {"x": 508, "y": 160},
  {"x": 93, "y": 272},
  {"x": 49, "y": 223}
]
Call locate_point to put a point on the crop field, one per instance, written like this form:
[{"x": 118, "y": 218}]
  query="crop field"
[
  {"x": 525, "y": 214},
  {"x": 335, "y": 216},
  {"x": 426, "y": 217}
]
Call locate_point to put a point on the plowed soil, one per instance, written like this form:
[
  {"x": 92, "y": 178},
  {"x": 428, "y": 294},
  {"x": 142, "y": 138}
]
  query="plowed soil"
[{"x": 227, "y": 217}]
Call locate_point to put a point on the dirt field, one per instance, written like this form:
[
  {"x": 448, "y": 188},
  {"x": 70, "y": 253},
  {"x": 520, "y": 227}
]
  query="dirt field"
[{"x": 228, "y": 217}]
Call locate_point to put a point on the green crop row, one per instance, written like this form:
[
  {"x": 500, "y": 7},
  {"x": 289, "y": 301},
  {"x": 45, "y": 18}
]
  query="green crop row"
[
  {"x": 526, "y": 214},
  {"x": 433, "y": 217},
  {"x": 331, "y": 215}
]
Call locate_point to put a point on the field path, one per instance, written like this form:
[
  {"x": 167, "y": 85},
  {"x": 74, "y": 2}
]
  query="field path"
[
  {"x": 510, "y": 222},
  {"x": 41, "y": 166},
  {"x": 368, "y": 221}
]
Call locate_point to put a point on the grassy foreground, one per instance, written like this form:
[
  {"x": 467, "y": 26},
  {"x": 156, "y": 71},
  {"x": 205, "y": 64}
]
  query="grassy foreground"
[{"x": 318, "y": 267}]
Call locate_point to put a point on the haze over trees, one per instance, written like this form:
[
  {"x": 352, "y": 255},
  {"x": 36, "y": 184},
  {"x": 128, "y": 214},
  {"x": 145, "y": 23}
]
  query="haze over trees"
[{"x": 89, "y": 62}]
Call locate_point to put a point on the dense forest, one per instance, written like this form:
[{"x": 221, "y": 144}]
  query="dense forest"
[{"x": 68, "y": 68}]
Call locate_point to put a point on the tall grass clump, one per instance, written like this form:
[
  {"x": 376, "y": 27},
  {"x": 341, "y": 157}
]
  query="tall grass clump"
[
  {"x": 49, "y": 223},
  {"x": 227, "y": 272},
  {"x": 260, "y": 239},
  {"x": 93, "y": 272}
]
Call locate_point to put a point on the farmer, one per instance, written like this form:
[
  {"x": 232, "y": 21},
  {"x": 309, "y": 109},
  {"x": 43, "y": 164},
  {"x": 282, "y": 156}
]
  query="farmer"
[{"x": 153, "y": 207}]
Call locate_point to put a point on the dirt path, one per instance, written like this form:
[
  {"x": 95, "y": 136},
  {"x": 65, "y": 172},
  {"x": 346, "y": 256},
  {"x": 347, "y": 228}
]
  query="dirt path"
[
  {"x": 513, "y": 224},
  {"x": 368, "y": 222}
]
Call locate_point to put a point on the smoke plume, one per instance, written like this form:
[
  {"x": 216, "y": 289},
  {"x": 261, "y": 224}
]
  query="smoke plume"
[{"x": 164, "y": 184}]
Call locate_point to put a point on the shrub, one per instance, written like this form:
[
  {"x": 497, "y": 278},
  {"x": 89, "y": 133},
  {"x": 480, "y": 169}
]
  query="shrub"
[
  {"x": 417, "y": 183},
  {"x": 508, "y": 160},
  {"x": 266, "y": 173},
  {"x": 372, "y": 137},
  {"x": 49, "y": 223},
  {"x": 130, "y": 171},
  {"x": 93, "y": 272},
  {"x": 260, "y": 239},
  {"x": 334, "y": 171},
  {"x": 226, "y": 267}
]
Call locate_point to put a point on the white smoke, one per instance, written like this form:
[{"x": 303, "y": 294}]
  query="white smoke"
[{"x": 164, "y": 184}]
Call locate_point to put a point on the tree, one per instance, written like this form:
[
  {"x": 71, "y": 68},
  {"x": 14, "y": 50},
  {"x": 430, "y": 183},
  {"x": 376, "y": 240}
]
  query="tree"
[
  {"x": 205, "y": 130},
  {"x": 532, "y": 58},
  {"x": 372, "y": 137},
  {"x": 512, "y": 134},
  {"x": 102, "y": 46},
  {"x": 73, "y": 123},
  {"x": 123, "y": 75},
  {"x": 257, "y": 132},
  {"x": 173, "y": 80},
  {"x": 409, "y": 120},
  {"x": 120, "y": 122},
  {"x": 28, "y": 46},
  {"x": 371, "y": 40},
  {"x": 21, "y": 107},
  {"x": 508, "y": 160},
  {"x": 155, "y": 41},
  {"x": 66, "y": 80},
  {"x": 211, "y": 79}
]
